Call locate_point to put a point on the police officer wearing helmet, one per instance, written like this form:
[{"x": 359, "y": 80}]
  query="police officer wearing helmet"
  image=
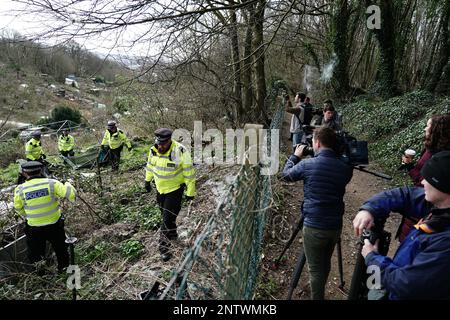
[
  {"x": 33, "y": 148},
  {"x": 37, "y": 200},
  {"x": 66, "y": 143},
  {"x": 169, "y": 164},
  {"x": 114, "y": 139}
]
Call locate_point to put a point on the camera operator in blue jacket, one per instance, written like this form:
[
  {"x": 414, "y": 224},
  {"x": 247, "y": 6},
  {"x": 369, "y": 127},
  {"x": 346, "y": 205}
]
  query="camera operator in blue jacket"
[
  {"x": 325, "y": 177},
  {"x": 420, "y": 268}
]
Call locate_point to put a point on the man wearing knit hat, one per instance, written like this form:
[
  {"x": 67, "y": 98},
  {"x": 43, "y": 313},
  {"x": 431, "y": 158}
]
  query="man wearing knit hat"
[{"x": 420, "y": 268}]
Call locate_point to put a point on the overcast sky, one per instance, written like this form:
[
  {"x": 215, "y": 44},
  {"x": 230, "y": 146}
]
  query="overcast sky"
[
  {"x": 8, "y": 19},
  {"x": 28, "y": 25}
]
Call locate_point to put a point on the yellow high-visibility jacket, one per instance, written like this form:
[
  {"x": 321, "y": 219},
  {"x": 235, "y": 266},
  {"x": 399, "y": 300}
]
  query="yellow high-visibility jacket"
[
  {"x": 66, "y": 143},
  {"x": 33, "y": 149},
  {"x": 171, "y": 169},
  {"x": 38, "y": 200},
  {"x": 115, "y": 140}
]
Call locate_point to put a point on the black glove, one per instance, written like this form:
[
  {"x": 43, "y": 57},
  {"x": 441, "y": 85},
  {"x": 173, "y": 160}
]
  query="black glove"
[
  {"x": 44, "y": 156},
  {"x": 188, "y": 198},
  {"x": 148, "y": 186}
]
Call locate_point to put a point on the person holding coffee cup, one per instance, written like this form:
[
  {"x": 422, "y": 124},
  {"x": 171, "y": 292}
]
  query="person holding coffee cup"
[
  {"x": 437, "y": 138},
  {"x": 408, "y": 160}
]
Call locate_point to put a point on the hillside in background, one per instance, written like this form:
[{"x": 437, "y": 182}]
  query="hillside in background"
[{"x": 33, "y": 78}]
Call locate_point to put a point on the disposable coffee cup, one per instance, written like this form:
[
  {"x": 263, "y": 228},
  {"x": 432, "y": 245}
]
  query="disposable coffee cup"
[{"x": 410, "y": 153}]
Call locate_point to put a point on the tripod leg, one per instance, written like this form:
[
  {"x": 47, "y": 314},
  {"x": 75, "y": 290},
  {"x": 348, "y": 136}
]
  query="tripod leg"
[
  {"x": 288, "y": 244},
  {"x": 340, "y": 265},
  {"x": 296, "y": 276},
  {"x": 357, "y": 286}
]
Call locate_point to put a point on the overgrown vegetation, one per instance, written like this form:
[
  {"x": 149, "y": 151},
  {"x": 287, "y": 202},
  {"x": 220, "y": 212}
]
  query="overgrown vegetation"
[
  {"x": 10, "y": 151},
  {"x": 9, "y": 174},
  {"x": 267, "y": 288},
  {"x": 132, "y": 249},
  {"x": 62, "y": 113}
]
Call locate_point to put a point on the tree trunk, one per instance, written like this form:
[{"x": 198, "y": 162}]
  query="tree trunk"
[
  {"x": 340, "y": 79},
  {"x": 385, "y": 36},
  {"x": 444, "y": 85},
  {"x": 235, "y": 56},
  {"x": 247, "y": 62},
  {"x": 444, "y": 52},
  {"x": 258, "y": 56}
]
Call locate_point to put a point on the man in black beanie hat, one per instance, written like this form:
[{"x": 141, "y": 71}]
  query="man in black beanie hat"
[{"x": 421, "y": 266}]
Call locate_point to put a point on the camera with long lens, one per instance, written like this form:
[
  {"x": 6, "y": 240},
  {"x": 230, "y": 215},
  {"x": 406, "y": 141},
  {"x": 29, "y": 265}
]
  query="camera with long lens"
[{"x": 307, "y": 151}]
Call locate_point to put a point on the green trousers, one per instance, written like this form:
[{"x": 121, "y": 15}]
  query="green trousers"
[{"x": 319, "y": 246}]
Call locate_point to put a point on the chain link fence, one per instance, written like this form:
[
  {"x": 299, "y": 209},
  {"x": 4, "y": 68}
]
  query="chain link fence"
[{"x": 224, "y": 261}]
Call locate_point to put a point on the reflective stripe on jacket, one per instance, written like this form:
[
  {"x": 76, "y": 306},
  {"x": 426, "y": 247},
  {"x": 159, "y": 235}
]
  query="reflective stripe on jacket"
[
  {"x": 171, "y": 169},
  {"x": 38, "y": 200},
  {"x": 115, "y": 140},
  {"x": 66, "y": 143},
  {"x": 33, "y": 149}
]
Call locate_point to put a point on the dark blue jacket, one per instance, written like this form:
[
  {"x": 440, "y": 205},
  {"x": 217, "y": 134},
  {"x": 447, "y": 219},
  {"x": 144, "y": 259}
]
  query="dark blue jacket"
[
  {"x": 325, "y": 178},
  {"x": 421, "y": 266}
]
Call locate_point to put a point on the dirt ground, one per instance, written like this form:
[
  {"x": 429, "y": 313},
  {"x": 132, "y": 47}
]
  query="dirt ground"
[{"x": 361, "y": 187}]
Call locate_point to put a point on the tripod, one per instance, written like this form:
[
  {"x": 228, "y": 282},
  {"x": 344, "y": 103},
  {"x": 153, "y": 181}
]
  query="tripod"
[{"x": 302, "y": 260}]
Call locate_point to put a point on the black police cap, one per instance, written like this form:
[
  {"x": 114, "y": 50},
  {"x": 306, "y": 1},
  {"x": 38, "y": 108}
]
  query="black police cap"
[
  {"x": 31, "y": 166},
  {"x": 111, "y": 124},
  {"x": 162, "y": 135}
]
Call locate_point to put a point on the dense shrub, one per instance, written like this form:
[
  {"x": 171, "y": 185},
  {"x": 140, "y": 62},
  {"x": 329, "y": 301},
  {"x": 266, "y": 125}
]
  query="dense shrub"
[
  {"x": 124, "y": 103},
  {"x": 65, "y": 113},
  {"x": 10, "y": 151},
  {"x": 61, "y": 113}
]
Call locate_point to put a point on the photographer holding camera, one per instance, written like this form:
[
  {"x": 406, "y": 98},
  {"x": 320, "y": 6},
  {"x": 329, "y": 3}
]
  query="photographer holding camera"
[
  {"x": 420, "y": 268},
  {"x": 297, "y": 117},
  {"x": 325, "y": 177}
]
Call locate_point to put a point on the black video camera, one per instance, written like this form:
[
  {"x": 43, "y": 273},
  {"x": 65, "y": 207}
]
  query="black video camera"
[{"x": 352, "y": 151}]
